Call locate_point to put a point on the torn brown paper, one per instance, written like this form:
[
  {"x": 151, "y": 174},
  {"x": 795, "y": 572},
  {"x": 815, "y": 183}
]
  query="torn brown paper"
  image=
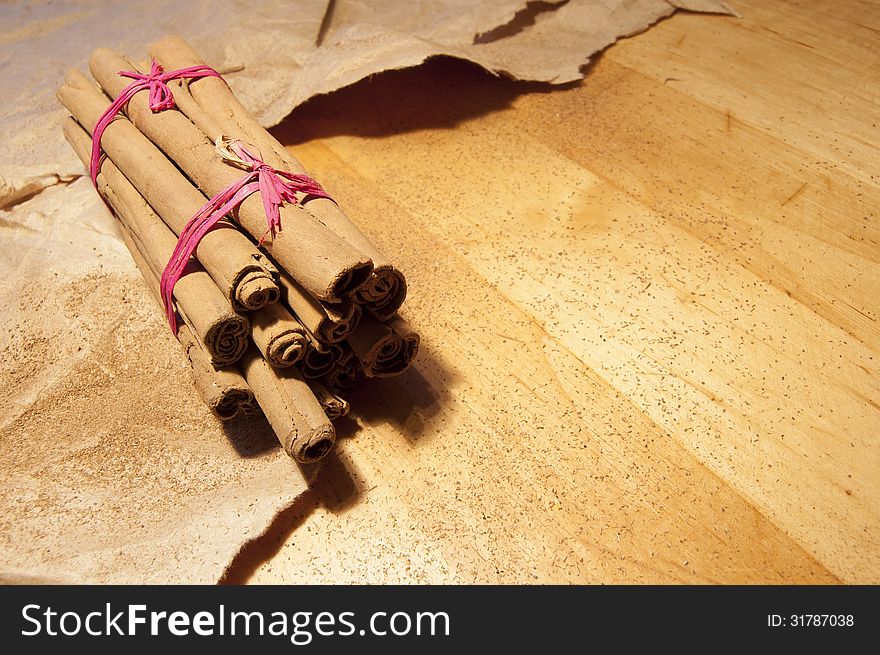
[
  {"x": 114, "y": 471},
  {"x": 275, "y": 45},
  {"x": 558, "y": 46}
]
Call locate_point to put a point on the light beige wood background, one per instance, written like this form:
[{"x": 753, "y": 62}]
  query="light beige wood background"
[{"x": 649, "y": 309}]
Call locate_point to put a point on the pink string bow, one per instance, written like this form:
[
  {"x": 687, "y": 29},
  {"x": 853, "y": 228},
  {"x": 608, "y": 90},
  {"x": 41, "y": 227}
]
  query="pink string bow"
[
  {"x": 275, "y": 187},
  {"x": 160, "y": 100}
]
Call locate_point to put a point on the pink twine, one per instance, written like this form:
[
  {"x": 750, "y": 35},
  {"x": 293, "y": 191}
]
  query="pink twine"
[
  {"x": 160, "y": 99},
  {"x": 275, "y": 187}
]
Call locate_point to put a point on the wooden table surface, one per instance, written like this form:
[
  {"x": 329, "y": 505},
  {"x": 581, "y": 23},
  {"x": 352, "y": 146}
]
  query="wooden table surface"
[{"x": 648, "y": 305}]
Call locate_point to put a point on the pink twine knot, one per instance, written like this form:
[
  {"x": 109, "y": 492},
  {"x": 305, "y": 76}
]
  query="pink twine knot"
[
  {"x": 156, "y": 81},
  {"x": 161, "y": 99},
  {"x": 275, "y": 187}
]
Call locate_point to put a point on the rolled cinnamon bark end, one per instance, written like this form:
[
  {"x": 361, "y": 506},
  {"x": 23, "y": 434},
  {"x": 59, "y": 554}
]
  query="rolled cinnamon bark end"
[
  {"x": 329, "y": 323},
  {"x": 227, "y": 340},
  {"x": 384, "y": 293},
  {"x": 291, "y": 408},
  {"x": 224, "y": 390},
  {"x": 382, "y": 350},
  {"x": 316, "y": 447},
  {"x": 252, "y": 408},
  {"x": 334, "y": 406},
  {"x": 320, "y": 359},
  {"x": 340, "y": 322},
  {"x": 256, "y": 289},
  {"x": 404, "y": 331},
  {"x": 345, "y": 374},
  {"x": 349, "y": 280},
  {"x": 279, "y": 336},
  {"x": 230, "y": 402}
]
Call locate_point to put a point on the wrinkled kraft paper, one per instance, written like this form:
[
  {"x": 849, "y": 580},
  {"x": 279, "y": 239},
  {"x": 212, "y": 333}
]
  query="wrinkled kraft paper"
[{"x": 113, "y": 470}]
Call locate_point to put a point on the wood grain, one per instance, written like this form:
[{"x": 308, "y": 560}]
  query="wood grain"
[{"x": 648, "y": 307}]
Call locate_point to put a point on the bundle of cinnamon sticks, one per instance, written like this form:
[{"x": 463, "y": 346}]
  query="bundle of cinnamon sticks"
[{"x": 285, "y": 323}]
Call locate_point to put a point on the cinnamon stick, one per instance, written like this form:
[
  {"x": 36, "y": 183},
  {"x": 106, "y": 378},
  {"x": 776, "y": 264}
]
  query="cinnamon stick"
[
  {"x": 405, "y": 331},
  {"x": 290, "y": 407},
  {"x": 223, "y": 390},
  {"x": 212, "y": 106},
  {"x": 221, "y": 331},
  {"x": 237, "y": 267},
  {"x": 345, "y": 373},
  {"x": 329, "y": 323},
  {"x": 384, "y": 350},
  {"x": 328, "y": 267},
  {"x": 279, "y": 336},
  {"x": 320, "y": 359},
  {"x": 333, "y": 405}
]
